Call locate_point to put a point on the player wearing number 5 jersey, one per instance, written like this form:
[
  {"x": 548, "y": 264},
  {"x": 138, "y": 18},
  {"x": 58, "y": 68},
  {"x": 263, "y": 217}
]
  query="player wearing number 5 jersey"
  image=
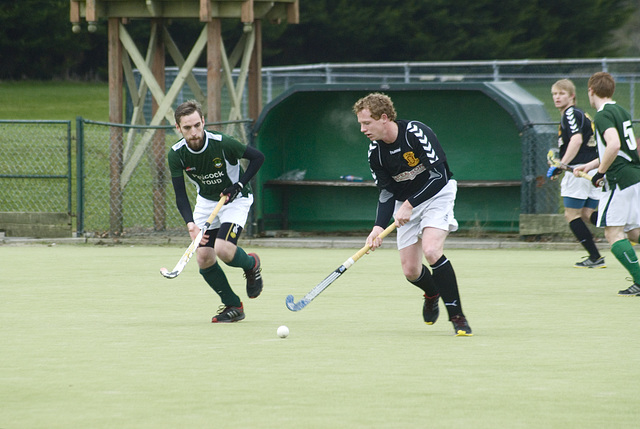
[
  {"x": 410, "y": 170},
  {"x": 211, "y": 161},
  {"x": 618, "y": 167}
]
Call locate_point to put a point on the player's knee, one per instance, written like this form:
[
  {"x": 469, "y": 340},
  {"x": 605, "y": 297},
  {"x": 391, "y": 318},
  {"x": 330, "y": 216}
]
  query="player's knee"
[
  {"x": 432, "y": 254},
  {"x": 225, "y": 251}
]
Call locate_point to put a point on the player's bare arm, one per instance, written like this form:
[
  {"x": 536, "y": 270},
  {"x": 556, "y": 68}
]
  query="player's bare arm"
[
  {"x": 572, "y": 149},
  {"x": 611, "y": 151},
  {"x": 403, "y": 215}
]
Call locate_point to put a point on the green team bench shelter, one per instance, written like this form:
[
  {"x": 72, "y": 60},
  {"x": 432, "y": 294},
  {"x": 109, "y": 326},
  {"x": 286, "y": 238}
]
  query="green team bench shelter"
[{"x": 312, "y": 128}]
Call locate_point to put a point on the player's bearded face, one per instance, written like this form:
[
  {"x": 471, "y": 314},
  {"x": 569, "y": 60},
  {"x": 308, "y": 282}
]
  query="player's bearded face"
[
  {"x": 192, "y": 129},
  {"x": 372, "y": 128}
]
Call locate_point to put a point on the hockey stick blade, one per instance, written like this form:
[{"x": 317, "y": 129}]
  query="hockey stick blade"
[
  {"x": 555, "y": 162},
  {"x": 184, "y": 260},
  {"x": 297, "y": 306},
  {"x": 193, "y": 246}
]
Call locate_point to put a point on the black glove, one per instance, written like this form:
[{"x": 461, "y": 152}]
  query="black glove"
[
  {"x": 597, "y": 178},
  {"x": 232, "y": 191}
]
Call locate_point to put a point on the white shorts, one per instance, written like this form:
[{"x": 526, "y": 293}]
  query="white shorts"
[
  {"x": 436, "y": 212},
  {"x": 578, "y": 187},
  {"x": 620, "y": 207},
  {"x": 235, "y": 212}
]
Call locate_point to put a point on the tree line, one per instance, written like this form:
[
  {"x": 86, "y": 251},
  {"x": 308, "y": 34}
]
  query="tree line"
[{"x": 36, "y": 41}]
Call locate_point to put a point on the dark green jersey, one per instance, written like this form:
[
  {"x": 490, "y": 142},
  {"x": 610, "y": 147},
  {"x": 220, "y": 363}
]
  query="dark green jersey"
[
  {"x": 625, "y": 169},
  {"x": 212, "y": 169}
]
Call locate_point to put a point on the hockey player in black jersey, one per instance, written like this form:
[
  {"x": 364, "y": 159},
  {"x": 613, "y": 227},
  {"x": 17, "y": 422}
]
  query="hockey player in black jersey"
[{"x": 411, "y": 172}]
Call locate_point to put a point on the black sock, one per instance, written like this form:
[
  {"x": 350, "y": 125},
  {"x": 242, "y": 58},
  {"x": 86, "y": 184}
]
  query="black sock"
[
  {"x": 446, "y": 283},
  {"x": 426, "y": 283},
  {"x": 582, "y": 233},
  {"x": 594, "y": 218}
]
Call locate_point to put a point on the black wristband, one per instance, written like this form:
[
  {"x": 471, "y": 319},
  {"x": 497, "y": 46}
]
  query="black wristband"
[{"x": 596, "y": 178}]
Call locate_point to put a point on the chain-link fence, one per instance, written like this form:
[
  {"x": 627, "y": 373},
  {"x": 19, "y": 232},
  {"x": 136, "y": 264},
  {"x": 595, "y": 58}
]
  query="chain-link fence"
[
  {"x": 126, "y": 185},
  {"x": 35, "y": 166},
  {"x": 536, "y": 76},
  {"x": 123, "y": 183}
]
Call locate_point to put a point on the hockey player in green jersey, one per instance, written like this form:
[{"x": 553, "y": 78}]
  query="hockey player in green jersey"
[
  {"x": 211, "y": 161},
  {"x": 618, "y": 173}
]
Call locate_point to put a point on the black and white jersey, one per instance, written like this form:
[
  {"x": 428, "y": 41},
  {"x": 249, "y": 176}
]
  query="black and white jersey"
[
  {"x": 414, "y": 167},
  {"x": 575, "y": 121}
]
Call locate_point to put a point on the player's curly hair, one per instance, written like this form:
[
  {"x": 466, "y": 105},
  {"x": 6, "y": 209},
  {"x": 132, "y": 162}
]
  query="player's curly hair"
[
  {"x": 187, "y": 108},
  {"x": 602, "y": 84},
  {"x": 378, "y": 104}
]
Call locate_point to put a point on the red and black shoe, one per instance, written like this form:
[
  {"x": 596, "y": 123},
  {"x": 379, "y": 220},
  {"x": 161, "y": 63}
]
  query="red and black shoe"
[
  {"x": 229, "y": 314},
  {"x": 254, "y": 278},
  {"x": 461, "y": 326},
  {"x": 430, "y": 309}
]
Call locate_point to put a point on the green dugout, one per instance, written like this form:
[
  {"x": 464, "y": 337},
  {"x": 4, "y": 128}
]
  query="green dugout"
[{"x": 310, "y": 137}]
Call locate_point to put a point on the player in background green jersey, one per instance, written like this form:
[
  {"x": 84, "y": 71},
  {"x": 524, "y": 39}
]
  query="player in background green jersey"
[
  {"x": 618, "y": 173},
  {"x": 211, "y": 161}
]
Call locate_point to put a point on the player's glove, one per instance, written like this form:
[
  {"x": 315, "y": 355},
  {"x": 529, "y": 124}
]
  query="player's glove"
[
  {"x": 553, "y": 171},
  {"x": 232, "y": 191},
  {"x": 597, "y": 179}
]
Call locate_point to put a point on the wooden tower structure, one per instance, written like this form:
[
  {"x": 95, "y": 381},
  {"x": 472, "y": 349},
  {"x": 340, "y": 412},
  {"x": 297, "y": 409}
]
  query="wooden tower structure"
[{"x": 124, "y": 55}]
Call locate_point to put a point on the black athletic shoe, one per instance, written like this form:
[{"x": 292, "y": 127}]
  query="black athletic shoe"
[
  {"x": 254, "y": 278},
  {"x": 633, "y": 290},
  {"x": 229, "y": 314},
  {"x": 430, "y": 309},
  {"x": 461, "y": 326},
  {"x": 588, "y": 263}
]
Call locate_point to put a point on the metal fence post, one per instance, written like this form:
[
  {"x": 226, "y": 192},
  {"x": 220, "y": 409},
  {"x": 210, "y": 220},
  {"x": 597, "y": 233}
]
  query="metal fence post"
[{"x": 79, "y": 175}]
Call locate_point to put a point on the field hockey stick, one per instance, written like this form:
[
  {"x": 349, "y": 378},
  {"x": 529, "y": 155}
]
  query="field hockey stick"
[
  {"x": 555, "y": 162},
  {"x": 297, "y": 306},
  {"x": 194, "y": 244}
]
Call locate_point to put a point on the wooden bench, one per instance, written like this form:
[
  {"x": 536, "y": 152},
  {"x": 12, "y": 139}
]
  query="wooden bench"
[{"x": 284, "y": 184}]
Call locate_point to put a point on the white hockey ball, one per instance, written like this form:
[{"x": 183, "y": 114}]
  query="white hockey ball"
[{"x": 283, "y": 331}]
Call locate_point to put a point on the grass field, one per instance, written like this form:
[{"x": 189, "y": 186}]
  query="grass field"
[{"x": 93, "y": 336}]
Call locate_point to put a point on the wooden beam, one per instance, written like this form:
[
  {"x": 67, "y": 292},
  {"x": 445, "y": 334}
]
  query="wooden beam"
[
  {"x": 246, "y": 13},
  {"x": 143, "y": 67},
  {"x": 176, "y": 56},
  {"x": 158, "y": 142},
  {"x": 74, "y": 11},
  {"x": 293, "y": 13},
  {"x": 255, "y": 74},
  {"x": 90, "y": 11},
  {"x": 164, "y": 106},
  {"x": 205, "y": 11},
  {"x": 115, "y": 116},
  {"x": 214, "y": 65}
]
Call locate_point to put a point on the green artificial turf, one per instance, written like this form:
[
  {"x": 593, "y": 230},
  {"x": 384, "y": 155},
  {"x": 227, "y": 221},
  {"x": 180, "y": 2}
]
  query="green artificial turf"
[{"x": 94, "y": 336}]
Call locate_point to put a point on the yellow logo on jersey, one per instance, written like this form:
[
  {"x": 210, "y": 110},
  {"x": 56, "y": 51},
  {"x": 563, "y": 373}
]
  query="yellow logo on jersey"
[
  {"x": 217, "y": 162},
  {"x": 411, "y": 159}
]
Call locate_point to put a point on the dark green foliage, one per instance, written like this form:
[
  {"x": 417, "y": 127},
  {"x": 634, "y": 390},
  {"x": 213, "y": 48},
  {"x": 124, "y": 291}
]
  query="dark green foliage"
[{"x": 36, "y": 40}]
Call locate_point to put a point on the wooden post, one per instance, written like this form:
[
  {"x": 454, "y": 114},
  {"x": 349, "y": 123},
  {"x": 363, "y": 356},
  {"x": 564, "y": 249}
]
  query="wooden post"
[
  {"x": 255, "y": 74},
  {"x": 214, "y": 71},
  {"x": 116, "y": 133},
  {"x": 157, "y": 145}
]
